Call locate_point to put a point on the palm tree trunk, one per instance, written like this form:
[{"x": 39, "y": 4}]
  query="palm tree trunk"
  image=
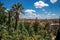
[
  {"x": 16, "y": 24},
  {"x": 9, "y": 20},
  {"x": 0, "y": 37},
  {"x": 17, "y": 17}
]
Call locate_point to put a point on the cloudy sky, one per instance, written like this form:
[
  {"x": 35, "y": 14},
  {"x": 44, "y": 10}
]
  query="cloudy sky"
[{"x": 41, "y": 9}]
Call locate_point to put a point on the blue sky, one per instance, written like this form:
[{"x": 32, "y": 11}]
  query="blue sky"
[{"x": 41, "y": 9}]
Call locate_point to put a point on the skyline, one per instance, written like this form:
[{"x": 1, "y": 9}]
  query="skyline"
[{"x": 41, "y": 9}]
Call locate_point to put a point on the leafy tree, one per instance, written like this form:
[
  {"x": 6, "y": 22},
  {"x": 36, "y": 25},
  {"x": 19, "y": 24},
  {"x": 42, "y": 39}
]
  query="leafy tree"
[
  {"x": 18, "y": 9},
  {"x": 2, "y": 14},
  {"x": 47, "y": 26},
  {"x": 3, "y": 32},
  {"x": 35, "y": 26},
  {"x": 2, "y": 17},
  {"x": 29, "y": 28}
]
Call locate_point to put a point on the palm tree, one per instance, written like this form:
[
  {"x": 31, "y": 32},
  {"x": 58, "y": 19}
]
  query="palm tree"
[
  {"x": 2, "y": 13},
  {"x": 10, "y": 13},
  {"x": 17, "y": 9}
]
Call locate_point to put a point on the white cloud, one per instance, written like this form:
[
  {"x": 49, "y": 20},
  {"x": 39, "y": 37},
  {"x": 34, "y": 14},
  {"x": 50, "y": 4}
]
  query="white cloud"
[
  {"x": 30, "y": 15},
  {"x": 51, "y": 16},
  {"x": 30, "y": 11},
  {"x": 53, "y": 1},
  {"x": 48, "y": 14},
  {"x": 7, "y": 10},
  {"x": 34, "y": 15},
  {"x": 40, "y": 4}
]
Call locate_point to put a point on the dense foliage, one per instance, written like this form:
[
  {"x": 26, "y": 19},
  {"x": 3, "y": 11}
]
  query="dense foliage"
[{"x": 24, "y": 32}]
